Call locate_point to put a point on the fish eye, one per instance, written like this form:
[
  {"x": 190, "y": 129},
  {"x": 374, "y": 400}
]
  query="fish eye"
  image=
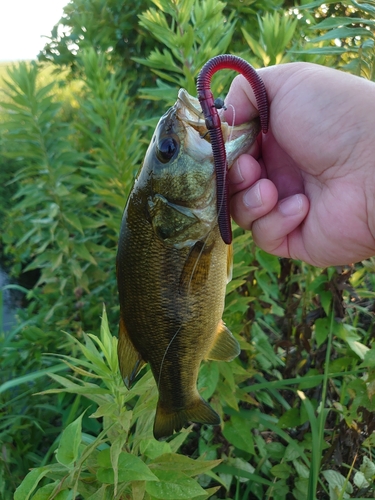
[{"x": 166, "y": 149}]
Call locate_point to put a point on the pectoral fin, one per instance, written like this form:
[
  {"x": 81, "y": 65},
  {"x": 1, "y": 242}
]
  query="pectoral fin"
[
  {"x": 195, "y": 271},
  {"x": 225, "y": 347},
  {"x": 130, "y": 360}
]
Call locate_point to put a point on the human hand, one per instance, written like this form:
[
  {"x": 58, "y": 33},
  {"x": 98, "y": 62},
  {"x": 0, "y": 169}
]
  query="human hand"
[{"x": 308, "y": 191}]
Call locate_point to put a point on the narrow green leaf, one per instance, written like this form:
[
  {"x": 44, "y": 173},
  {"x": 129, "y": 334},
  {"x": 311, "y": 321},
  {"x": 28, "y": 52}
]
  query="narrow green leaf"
[
  {"x": 81, "y": 251},
  {"x": 181, "y": 463},
  {"x": 67, "y": 452},
  {"x": 322, "y": 327},
  {"x": 343, "y": 32},
  {"x": 31, "y": 481},
  {"x": 73, "y": 220},
  {"x": 233, "y": 471},
  {"x": 25, "y": 379},
  {"x": 45, "y": 492},
  {"x": 328, "y": 51},
  {"x": 335, "y": 22}
]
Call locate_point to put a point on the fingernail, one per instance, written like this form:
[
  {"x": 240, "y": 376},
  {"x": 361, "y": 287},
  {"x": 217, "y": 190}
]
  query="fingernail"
[
  {"x": 252, "y": 198},
  {"x": 291, "y": 205},
  {"x": 236, "y": 176}
]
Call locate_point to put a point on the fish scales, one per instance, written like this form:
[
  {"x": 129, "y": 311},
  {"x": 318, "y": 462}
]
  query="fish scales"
[{"x": 173, "y": 267}]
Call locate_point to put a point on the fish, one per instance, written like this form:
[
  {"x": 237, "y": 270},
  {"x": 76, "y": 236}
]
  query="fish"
[{"x": 172, "y": 265}]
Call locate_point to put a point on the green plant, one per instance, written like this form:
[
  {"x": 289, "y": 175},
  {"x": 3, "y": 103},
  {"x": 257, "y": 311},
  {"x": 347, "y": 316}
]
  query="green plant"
[
  {"x": 297, "y": 406},
  {"x": 123, "y": 459},
  {"x": 345, "y": 38}
]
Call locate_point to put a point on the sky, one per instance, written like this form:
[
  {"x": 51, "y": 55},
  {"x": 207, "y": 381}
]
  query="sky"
[{"x": 22, "y": 24}]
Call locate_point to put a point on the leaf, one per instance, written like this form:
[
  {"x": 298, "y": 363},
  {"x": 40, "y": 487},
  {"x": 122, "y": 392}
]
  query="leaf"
[
  {"x": 360, "y": 481},
  {"x": 292, "y": 452},
  {"x": 151, "y": 448},
  {"x": 174, "y": 485},
  {"x": 326, "y": 301},
  {"x": 138, "y": 490},
  {"x": 349, "y": 334},
  {"x": 301, "y": 469},
  {"x": 360, "y": 349},
  {"x": 208, "y": 379},
  {"x": 368, "y": 468},
  {"x": 234, "y": 471},
  {"x": 67, "y": 452},
  {"x": 130, "y": 468},
  {"x": 73, "y": 220},
  {"x": 343, "y": 33},
  {"x": 310, "y": 380},
  {"x": 238, "y": 432},
  {"x": 269, "y": 262},
  {"x": 31, "y": 481},
  {"x": 26, "y": 379},
  {"x": 181, "y": 463},
  {"x": 101, "y": 494},
  {"x": 337, "y": 482},
  {"x": 334, "y": 22},
  {"x": 282, "y": 471},
  {"x": 329, "y": 51},
  {"x": 240, "y": 463},
  {"x": 370, "y": 441},
  {"x": 291, "y": 418},
  {"x": 45, "y": 492},
  {"x": 115, "y": 451},
  {"x": 82, "y": 251},
  {"x": 367, "y": 7},
  {"x": 322, "y": 328},
  {"x": 227, "y": 396}
]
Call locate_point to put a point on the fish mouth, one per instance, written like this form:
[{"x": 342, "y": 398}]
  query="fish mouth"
[{"x": 189, "y": 110}]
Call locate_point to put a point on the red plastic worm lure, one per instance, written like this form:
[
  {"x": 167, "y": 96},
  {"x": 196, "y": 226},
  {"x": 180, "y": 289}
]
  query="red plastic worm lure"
[{"x": 213, "y": 124}]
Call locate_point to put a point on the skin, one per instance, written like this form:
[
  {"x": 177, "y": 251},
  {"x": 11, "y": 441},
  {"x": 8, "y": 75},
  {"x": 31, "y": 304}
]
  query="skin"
[{"x": 307, "y": 188}]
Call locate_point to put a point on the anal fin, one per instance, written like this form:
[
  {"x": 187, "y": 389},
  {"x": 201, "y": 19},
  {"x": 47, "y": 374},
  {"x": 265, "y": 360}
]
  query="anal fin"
[
  {"x": 166, "y": 422},
  {"x": 130, "y": 360},
  {"x": 225, "y": 347}
]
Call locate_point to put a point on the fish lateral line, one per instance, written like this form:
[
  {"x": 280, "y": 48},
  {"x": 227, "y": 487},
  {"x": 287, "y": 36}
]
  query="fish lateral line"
[
  {"x": 210, "y": 108},
  {"x": 192, "y": 261}
]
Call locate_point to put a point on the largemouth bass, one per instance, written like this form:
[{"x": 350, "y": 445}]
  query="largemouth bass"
[{"x": 173, "y": 267}]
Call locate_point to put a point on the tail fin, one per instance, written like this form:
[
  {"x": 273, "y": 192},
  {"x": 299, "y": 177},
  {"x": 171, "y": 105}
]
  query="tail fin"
[{"x": 166, "y": 421}]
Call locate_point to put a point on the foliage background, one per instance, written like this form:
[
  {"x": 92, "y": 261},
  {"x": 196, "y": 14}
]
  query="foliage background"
[{"x": 297, "y": 405}]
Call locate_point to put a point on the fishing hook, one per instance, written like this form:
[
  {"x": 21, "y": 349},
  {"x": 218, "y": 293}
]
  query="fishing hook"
[{"x": 213, "y": 124}]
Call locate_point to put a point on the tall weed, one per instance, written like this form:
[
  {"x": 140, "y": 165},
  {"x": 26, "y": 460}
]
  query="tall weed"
[{"x": 297, "y": 405}]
